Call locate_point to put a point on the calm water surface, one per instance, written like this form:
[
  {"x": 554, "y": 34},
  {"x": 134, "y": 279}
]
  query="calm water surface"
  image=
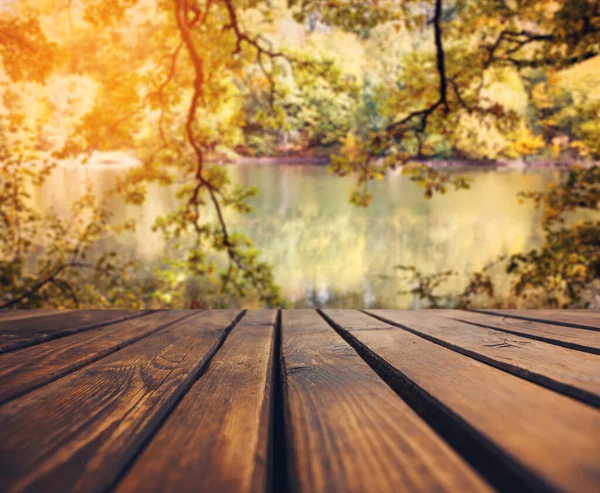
[{"x": 328, "y": 252}]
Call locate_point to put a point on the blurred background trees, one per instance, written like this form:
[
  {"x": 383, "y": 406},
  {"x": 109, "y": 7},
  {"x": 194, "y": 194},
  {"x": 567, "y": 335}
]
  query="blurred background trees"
[{"x": 372, "y": 85}]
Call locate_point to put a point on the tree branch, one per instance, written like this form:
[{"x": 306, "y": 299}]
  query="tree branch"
[
  {"x": 517, "y": 40},
  {"x": 41, "y": 283},
  {"x": 440, "y": 56},
  {"x": 399, "y": 128},
  {"x": 181, "y": 14}
]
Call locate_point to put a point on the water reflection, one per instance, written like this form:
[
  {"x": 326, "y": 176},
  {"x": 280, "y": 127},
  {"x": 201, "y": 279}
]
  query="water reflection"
[{"x": 327, "y": 252}]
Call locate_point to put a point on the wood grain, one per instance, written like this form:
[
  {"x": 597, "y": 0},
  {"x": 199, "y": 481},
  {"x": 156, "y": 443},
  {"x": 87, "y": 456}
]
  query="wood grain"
[
  {"x": 572, "y": 373},
  {"x": 549, "y": 440},
  {"x": 31, "y": 367},
  {"x": 217, "y": 439},
  {"x": 78, "y": 433},
  {"x": 21, "y": 314},
  {"x": 23, "y": 332},
  {"x": 585, "y": 319},
  {"x": 347, "y": 430},
  {"x": 580, "y": 340}
]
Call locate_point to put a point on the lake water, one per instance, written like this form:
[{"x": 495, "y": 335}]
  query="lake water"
[{"x": 325, "y": 251}]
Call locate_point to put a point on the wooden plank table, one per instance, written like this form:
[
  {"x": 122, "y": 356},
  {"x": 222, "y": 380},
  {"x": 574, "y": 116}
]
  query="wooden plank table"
[{"x": 299, "y": 401}]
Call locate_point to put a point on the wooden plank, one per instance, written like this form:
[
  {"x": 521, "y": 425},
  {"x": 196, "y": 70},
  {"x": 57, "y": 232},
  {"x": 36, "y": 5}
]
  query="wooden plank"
[
  {"x": 79, "y": 432},
  {"x": 581, "y": 319},
  {"x": 547, "y": 440},
  {"x": 347, "y": 430},
  {"x": 20, "y": 333},
  {"x": 566, "y": 371},
  {"x": 580, "y": 340},
  {"x": 217, "y": 439},
  {"x": 21, "y": 314},
  {"x": 31, "y": 367}
]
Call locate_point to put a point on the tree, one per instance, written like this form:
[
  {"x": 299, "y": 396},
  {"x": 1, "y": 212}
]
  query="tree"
[
  {"x": 169, "y": 80},
  {"x": 136, "y": 68},
  {"x": 474, "y": 44},
  {"x": 566, "y": 269}
]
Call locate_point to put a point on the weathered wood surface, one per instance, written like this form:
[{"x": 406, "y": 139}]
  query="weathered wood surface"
[
  {"x": 79, "y": 431},
  {"x": 23, "y": 332},
  {"x": 525, "y": 426},
  {"x": 581, "y": 340},
  {"x": 347, "y": 430},
  {"x": 218, "y": 437},
  {"x": 569, "y": 318},
  {"x": 31, "y": 367},
  {"x": 21, "y": 314},
  {"x": 299, "y": 401},
  {"x": 573, "y": 373}
]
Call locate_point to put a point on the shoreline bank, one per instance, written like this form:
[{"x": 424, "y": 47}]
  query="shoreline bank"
[
  {"x": 120, "y": 159},
  {"x": 438, "y": 163}
]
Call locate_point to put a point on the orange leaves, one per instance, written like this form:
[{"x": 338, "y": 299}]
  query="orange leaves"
[
  {"x": 107, "y": 12},
  {"x": 25, "y": 51}
]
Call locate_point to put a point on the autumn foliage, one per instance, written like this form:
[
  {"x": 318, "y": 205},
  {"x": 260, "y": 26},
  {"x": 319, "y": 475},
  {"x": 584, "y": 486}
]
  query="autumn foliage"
[{"x": 371, "y": 85}]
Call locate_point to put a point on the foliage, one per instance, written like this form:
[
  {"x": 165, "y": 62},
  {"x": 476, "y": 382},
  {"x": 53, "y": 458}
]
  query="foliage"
[
  {"x": 563, "y": 272},
  {"x": 471, "y": 46},
  {"x": 566, "y": 269},
  {"x": 425, "y": 285},
  {"x": 174, "y": 82},
  {"x": 63, "y": 273},
  {"x": 139, "y": 106}
]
